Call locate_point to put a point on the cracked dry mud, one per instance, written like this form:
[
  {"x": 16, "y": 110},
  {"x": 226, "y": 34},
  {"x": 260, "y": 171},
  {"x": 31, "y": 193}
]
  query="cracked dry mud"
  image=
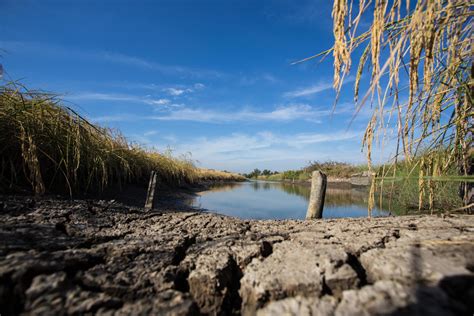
[{"x": 78, "y": 257}]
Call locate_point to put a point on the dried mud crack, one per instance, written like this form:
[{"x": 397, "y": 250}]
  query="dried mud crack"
[{"x": 102, "y": 257}]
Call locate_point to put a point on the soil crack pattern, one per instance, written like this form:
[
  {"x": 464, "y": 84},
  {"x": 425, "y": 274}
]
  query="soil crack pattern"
[{"x": 103, "y": 257}]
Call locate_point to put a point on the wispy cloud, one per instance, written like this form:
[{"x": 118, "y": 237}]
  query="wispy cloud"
[
  {"x": 282, "y": 113},
  {"x": 117, "y": 97},
  {"x": 111, "y": 57},
  {"x": 309, "y": 90},
  {"x": 180, "y": 90},
  {"x": 124, "y": 117},
  {"x": 179, "y": 112},
  {"x": 150, "y": 133},
  {"x": 241, "y": 151},
  {"x": 176, "y": 91},
  {"x": 244, "y": 142},
  {"x": 314, "y": 89},
  {"x": 255, "y": 78},
  {"x": 292, "y": 112},
  {"x": 159, "y": 102},
  {"x": 151, "y": 65}
]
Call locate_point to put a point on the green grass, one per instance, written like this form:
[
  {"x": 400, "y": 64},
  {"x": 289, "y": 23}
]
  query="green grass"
[
  {"x": 297, "y": 175},
  {"x": 332, "y": 169},
  {"x": 47, "y": 147},
  {"x": 401, "y": 191}
]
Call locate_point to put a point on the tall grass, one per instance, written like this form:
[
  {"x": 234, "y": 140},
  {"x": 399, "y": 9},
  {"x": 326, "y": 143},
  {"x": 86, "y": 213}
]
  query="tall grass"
[
  {"x": 420, "y": 69},
  {"x": 51, "y": 148},
  {"x": 403, "y": 192}
]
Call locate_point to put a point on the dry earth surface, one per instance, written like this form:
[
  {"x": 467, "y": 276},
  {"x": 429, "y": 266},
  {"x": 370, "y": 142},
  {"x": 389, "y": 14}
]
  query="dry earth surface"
[{"x": 79, "y": 257}]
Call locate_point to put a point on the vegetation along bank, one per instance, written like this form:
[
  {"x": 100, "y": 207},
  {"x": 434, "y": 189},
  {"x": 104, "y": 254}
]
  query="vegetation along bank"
[{"x": 48, "y": 147}]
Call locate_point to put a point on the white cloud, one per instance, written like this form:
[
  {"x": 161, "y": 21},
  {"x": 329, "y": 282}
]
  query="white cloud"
[
  {"x": 251, "y": 79},
  {"x": 314, "y": 89},
  {"x": 309, "y": 90},
  {"x": 242, "y": 152},
  {"x": 178, "y": 112},
  {"x": 270, "y": 78},
  {"x": 115, "y": 118},
  {"x": 159, "y": 102},
  {"x": 243, "y": 142},
  {"x": 166, "y": 69},
  {"x": 118, "y": 97},
  {"x": 150, "y": 133},
  {"x": 102, "y": 97},
  {"x": 176, "y": 91},
  {"x": 282, "y": 113}
]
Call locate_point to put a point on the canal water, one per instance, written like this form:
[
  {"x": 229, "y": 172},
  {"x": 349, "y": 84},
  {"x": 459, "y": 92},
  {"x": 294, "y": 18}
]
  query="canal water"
[{"x": 277, "y": 200}]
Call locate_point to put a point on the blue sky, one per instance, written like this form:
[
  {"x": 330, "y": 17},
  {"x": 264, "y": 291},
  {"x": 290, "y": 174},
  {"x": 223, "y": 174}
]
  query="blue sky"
[{"x": 210, "y": 78}]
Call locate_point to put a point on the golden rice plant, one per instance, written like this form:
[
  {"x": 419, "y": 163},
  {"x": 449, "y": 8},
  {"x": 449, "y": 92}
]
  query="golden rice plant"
[
  {"x": 52, "y": 148},
  {"x": 421, "y": 85}
]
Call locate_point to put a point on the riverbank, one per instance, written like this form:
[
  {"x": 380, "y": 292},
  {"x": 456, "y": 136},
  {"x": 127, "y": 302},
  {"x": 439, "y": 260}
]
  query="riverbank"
[
  {"x": 61, "y": 256},
  {"x": 335, "y": 182}
]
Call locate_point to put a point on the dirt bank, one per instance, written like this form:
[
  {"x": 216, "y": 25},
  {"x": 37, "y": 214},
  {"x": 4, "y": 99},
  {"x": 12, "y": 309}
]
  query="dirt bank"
[{"x": 75, "y": 257}]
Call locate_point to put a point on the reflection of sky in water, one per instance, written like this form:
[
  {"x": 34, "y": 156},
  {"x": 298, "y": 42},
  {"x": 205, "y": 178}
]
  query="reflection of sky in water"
[{"x": 265, "y": 200}]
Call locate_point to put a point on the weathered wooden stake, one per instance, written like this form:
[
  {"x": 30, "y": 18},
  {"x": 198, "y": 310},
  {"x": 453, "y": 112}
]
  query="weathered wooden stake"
[
  {"x": 151, "y": 191},
  {"x": 316, "y": 198}
]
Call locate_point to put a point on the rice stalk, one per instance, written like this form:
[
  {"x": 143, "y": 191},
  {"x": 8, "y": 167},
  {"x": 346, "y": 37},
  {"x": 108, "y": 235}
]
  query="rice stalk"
[
  {"x": 51, "y": 148},
  {"x": 340, "y": 49},
  {"x": 426, "y": 52}
]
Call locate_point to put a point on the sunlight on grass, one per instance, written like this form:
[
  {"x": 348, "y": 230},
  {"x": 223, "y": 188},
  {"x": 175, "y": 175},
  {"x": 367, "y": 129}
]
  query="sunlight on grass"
[{"x": 51, "y": 148}]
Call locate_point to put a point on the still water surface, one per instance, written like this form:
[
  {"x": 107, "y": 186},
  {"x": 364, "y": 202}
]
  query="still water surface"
[{"x": 276, "y": 200}]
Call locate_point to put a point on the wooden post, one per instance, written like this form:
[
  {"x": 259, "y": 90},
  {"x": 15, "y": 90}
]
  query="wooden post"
[
  {"x": 151, "y": 191},
  {"x": 316, "y": 198}
]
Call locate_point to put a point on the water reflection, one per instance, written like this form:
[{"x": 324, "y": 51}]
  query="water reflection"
[{"x": 276, "y": 200}]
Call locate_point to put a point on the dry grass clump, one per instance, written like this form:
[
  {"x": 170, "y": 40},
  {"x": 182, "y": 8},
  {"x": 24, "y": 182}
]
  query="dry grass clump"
[
  {"x": 51, "y": 148},
  {"x": 215, "y": 175},
  {"x": 421, "y": 83}
]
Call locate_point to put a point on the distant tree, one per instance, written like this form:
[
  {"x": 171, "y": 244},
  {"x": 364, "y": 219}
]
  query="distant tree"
[
  {"x": 266, "y": 172},
  {"x": 256, "y": 172}
]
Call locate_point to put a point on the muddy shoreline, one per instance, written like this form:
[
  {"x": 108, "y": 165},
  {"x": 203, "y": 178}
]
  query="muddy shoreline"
[{"x": 60, "y": 256}]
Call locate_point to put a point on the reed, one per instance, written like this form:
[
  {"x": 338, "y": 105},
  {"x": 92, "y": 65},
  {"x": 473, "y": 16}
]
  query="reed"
[
  {"x": 421, "y": 83},
  {"x": 48, "y": 147},
  {"x": 407, "y": 191}
]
